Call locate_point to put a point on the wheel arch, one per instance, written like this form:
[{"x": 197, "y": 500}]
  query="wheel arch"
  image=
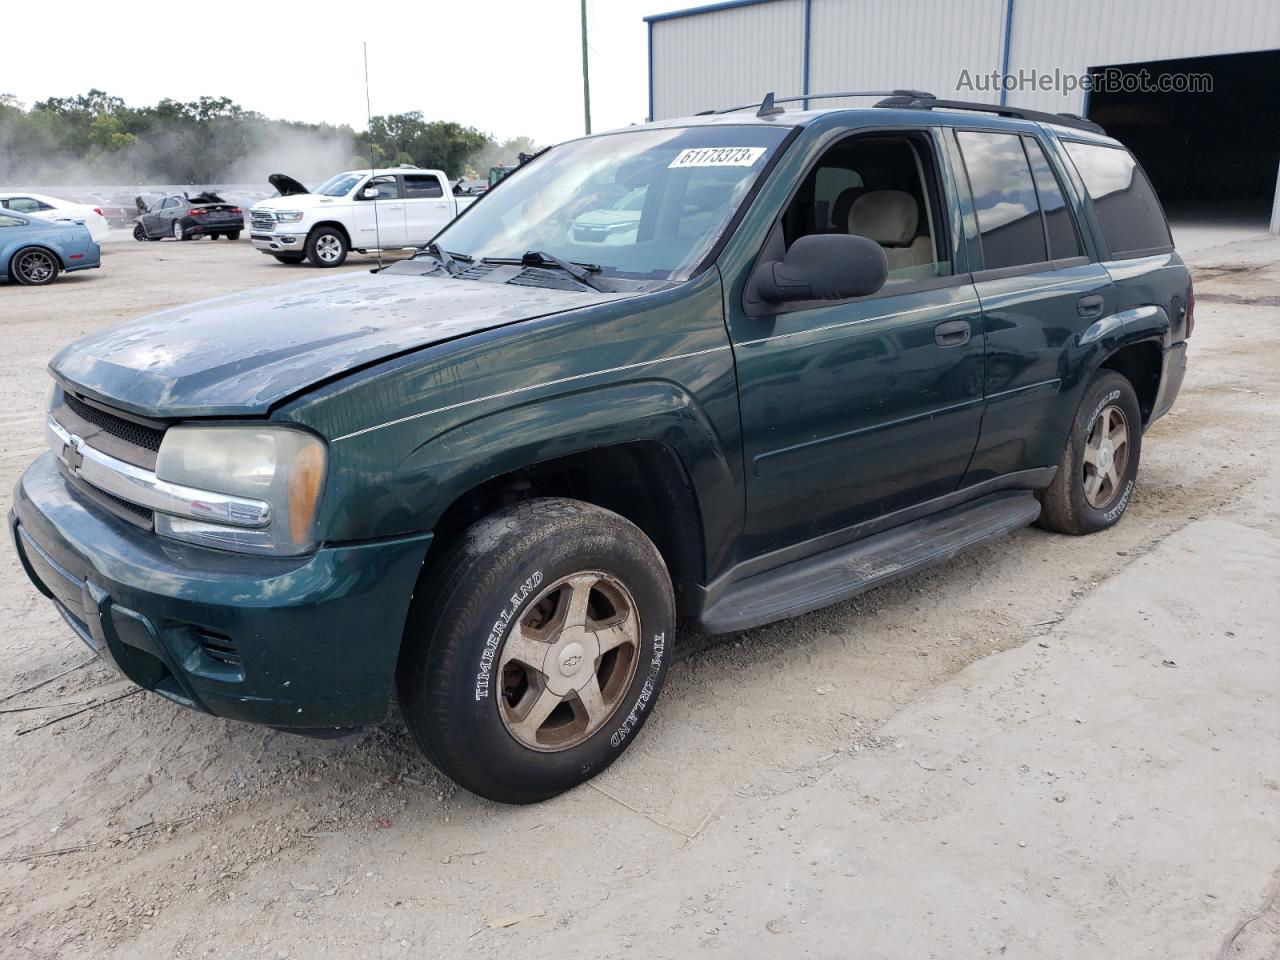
[
  {"x": 337, "y": 225},
  {"x": 8, "y": 267},
  {"x": 1141, "y": 363}
]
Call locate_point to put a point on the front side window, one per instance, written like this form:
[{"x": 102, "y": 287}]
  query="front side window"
[
  {"x": 648, "y": 204},
  {"x": 1004, "y": 198},
  {"x": 1131, "y": 216},
  {"x": 385, "y": 188},
  {"x": 884, "y": 188},
  {"x": 419, "y": 186}
]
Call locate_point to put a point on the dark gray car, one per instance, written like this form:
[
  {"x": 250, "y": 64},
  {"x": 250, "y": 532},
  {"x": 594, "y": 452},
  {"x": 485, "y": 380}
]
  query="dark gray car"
[{"x": 183, "y": 217}]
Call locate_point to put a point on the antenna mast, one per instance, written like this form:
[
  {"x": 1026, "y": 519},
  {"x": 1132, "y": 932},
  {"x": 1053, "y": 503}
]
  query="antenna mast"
[{"x": 368, "y": 112}]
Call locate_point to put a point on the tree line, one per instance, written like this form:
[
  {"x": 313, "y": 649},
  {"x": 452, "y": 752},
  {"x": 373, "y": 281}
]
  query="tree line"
[{"x": 96, "y": 137}]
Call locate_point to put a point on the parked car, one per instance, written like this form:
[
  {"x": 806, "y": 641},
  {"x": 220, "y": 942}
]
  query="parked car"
[
  {"x": 185, "y": 218},
  {"x": 61, "y": 211},
  {"x": 491, "y": 477},
  {"x": 33, "y": 250},
  {"x": 355, "y": 210}
]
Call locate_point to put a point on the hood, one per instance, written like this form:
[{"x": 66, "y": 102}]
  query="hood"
[
  {"x": 287, "y": 186},
  {"x": 299, "y": 201},
  {"x": 240, "y": 354}
]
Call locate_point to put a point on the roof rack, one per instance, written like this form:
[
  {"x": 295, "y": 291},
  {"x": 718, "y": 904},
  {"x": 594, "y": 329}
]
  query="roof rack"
[
  {"x": 910, "y": 100},
  {"x": 768, "y": 106}
]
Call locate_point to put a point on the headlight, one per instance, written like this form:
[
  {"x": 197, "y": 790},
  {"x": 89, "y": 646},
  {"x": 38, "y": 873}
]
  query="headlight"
[
  {"x": 288, "y": 216},
  {"x": 54, "y": 397},
  {"x": 282, "y": 466}
]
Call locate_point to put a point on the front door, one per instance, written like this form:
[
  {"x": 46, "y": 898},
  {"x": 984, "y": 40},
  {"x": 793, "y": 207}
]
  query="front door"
[
  {"x": 379, "y": 215},
  {"x": 855, "y": 409}
]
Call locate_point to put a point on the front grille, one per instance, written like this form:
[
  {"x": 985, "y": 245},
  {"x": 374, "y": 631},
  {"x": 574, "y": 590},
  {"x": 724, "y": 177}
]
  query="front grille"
[
  {"x": 262, "y": 220},
  {"x": 121, "y": 428}
]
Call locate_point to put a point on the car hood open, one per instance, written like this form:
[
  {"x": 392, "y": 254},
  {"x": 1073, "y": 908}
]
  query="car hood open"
[
  {"x": 287, "y": 186},
  {"x": 240, "y": 354}
]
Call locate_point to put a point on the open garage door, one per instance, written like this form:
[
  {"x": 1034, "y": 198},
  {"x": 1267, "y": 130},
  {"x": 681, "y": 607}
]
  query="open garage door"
[{"x": 1213, "y": 156}]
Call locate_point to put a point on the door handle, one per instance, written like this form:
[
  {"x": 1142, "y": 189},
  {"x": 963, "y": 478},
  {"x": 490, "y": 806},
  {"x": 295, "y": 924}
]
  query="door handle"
[
  {"x": 953, "y": 333},
  {"x": 1089, "y": 306}
]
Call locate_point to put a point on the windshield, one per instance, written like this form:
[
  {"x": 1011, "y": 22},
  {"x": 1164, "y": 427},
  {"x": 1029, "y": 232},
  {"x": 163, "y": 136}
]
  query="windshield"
[
  {"x": 647, "y": 204},
  {"x": 339, "y": 185}
]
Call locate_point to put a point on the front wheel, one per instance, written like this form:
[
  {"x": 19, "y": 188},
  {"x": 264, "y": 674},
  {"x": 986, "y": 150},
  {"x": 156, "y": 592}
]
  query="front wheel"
[
  {"x": 1099, "y": 465},
  {"x": 326, "y": 247},
  {"x": 538, "y": 649},
  {"x": 139, "y": 232}
]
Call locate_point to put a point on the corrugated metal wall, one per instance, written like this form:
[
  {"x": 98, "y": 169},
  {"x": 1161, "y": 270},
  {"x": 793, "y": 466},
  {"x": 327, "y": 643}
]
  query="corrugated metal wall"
[
  {"x": 724, "y": 57},
  {"x": 1093, "y": 33},
  {"x": 916, "y": 44}
]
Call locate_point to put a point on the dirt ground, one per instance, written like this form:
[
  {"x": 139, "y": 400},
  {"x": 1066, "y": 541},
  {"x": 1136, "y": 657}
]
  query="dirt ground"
[{"x": 1051, "y": 747}]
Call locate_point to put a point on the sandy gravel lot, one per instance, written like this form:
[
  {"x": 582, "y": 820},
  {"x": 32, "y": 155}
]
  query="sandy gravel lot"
[{"x": 1051, "y": 747}]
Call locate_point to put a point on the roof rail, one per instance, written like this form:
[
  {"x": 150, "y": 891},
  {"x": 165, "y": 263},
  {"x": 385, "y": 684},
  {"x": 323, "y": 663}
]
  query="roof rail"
[
  {"x": 767, "y": 106},
  {"x": 908, "y": 100}
]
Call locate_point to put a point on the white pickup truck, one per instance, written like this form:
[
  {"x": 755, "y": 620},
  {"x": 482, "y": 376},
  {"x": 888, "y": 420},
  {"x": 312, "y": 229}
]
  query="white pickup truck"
[{"x": 354, "y": 210}]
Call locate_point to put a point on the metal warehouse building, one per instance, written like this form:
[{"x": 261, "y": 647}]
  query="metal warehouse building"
[{"x": 1206, "y": 151}]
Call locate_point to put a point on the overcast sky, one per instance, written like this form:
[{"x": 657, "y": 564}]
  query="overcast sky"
[{"x": 505, "y": 66}]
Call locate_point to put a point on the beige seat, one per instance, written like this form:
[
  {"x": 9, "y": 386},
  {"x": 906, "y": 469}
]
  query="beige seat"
[{"x": 890, "y": 218}]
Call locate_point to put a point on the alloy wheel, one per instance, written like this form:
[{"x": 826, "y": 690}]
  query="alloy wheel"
[
  {"x": 1106, "y": 457},
  {"x": 36, "y": 266},
  {"x": 329, "y": 248},
  {"x": 567, "y": 663}
]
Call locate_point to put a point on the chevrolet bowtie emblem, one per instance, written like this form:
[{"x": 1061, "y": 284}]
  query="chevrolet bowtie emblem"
[{"x": 71, "y": 454}]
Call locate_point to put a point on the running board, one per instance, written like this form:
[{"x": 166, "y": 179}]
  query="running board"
[{"x": 846, "y": 571}]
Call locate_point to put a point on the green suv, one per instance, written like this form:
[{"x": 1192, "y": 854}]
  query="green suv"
[{"x": 811, "y": 352}]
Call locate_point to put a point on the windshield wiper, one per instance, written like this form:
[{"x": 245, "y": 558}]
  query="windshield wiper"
[
  {"x": 582, "y": 272},
  {"x": 446, "y": 259}
]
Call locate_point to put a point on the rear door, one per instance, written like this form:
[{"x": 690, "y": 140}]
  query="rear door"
[
  {"x": 1040, "y": 289},
  {"x": 428, "y": 207}
]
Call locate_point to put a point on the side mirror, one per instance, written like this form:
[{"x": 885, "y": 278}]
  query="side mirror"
[
  {"x": 824, "y": 266},
  {"x": 369, "y": 193}
]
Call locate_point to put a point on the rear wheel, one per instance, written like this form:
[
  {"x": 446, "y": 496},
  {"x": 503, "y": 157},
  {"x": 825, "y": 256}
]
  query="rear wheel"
[
  {"x": 34, "y": 267},
  {"x": 1099, "y": 465},
  {"x": 536, "y": 653},
  {"x": 326, "y": 247},
  {"x": 233, "y": 235}
]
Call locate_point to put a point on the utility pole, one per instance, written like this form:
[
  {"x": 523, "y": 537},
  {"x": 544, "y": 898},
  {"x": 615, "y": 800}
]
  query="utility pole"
[{"x": 586, "y": 81}]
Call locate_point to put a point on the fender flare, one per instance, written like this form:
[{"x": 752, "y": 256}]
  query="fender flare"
[{"x": 446, "y": 467}]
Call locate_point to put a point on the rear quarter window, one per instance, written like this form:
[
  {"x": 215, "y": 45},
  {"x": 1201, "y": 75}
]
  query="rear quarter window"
[{"x": 1127, "y": 206}]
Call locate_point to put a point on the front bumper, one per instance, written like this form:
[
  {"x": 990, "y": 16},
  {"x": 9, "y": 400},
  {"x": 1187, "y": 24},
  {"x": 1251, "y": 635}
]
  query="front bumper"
[
  {"x": 278, "y": 242},
  {"x": 303, "y": 642}
]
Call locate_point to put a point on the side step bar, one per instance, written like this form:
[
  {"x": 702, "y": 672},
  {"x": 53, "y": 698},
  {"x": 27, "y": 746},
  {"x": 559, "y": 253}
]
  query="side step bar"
[{"x": 846, "y": 571}]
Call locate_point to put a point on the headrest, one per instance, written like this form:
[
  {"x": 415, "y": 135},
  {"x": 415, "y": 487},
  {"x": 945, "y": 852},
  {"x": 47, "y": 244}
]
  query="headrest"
[
  {"x": 889, "y": 217},
  {"x": 844, "y": 203}
]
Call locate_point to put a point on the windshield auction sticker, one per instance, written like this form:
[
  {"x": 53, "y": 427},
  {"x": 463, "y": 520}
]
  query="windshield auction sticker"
[{"x": 716, "y": 157}]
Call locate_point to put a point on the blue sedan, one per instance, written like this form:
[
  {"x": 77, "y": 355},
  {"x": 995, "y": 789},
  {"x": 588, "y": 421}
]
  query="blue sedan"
[{"x": 34, "y": 250}]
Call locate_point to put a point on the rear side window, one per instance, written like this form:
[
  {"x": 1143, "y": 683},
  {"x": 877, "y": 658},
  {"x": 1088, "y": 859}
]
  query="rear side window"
[
  {"x": 1127, "y": 207},
  {"x": 6, "y": 221},
  {"x": 416, "y": 185},
  {"x": 1059, "y": 225},
  {"x": 1004, "y": 198}
]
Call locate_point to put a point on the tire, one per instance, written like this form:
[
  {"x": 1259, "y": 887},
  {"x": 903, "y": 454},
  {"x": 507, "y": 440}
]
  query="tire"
[
  {"x": 139, "y": 232},
  {"x": 34, "y": 267},
  {"x": 233, "y": 235},
  {"x": 498, "y": 601},
  {"x": 179, "y": 231},
  {"x": 1096, "y": 474},
  {"x": 326, "y": 247},
  {"x": 293, "y": 259},
  {"x": 214, "y": 236}
]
